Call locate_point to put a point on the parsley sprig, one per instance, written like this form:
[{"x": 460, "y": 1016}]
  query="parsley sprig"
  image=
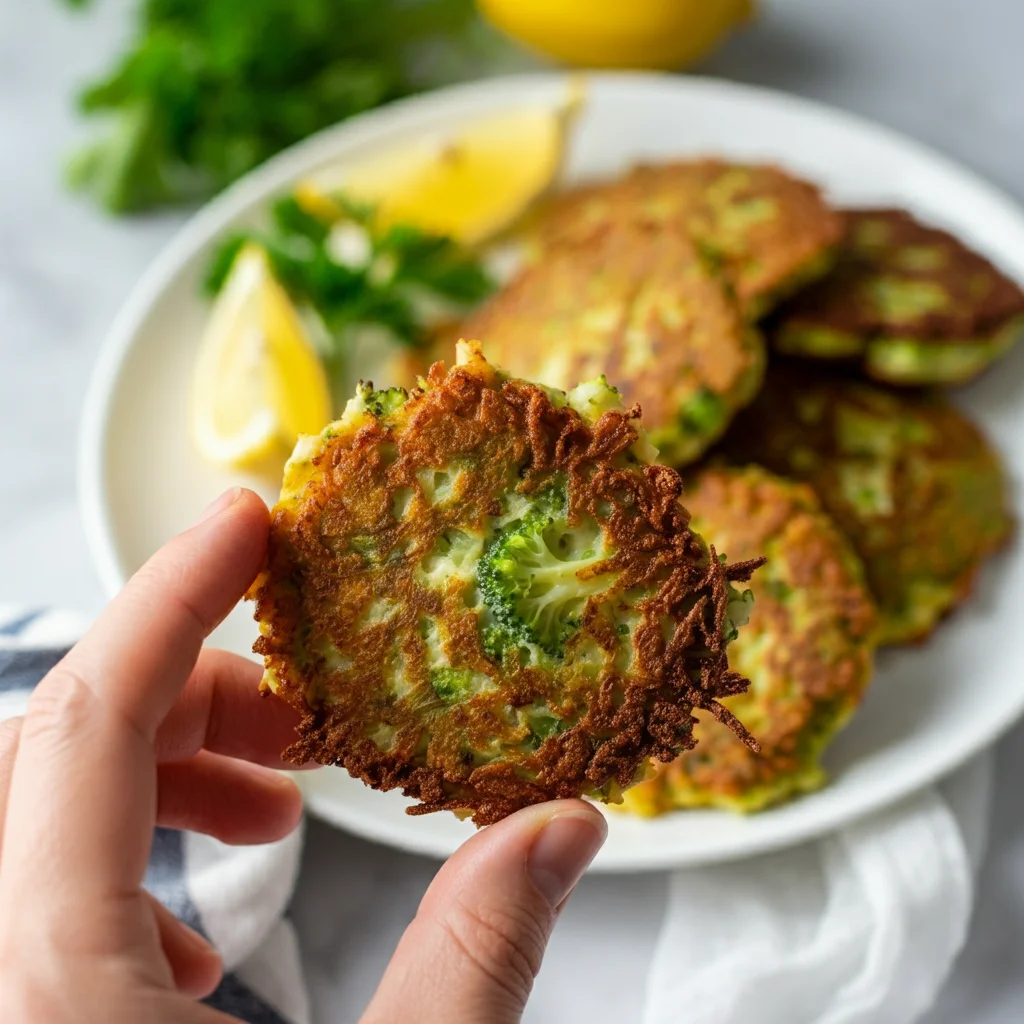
[
  {"x": 357, "y": 274},
  {"x": 210, "y": 88}
]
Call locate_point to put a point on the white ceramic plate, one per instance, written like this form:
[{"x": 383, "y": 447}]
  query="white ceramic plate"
[{"x": 928, "y": 710}]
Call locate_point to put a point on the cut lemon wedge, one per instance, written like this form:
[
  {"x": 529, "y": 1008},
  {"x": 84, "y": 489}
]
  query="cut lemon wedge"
[
  {"x": 469, "y": 186},
  {"x": 258, "y": 382}
]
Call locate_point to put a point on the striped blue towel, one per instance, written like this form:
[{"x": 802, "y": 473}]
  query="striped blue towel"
[{"x": 234, "y": 895}]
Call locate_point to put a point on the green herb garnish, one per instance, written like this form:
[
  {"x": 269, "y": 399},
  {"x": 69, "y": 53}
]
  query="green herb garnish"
[
  {"x": 210, "y": 88},
  {"x": 355, "y": 274}
]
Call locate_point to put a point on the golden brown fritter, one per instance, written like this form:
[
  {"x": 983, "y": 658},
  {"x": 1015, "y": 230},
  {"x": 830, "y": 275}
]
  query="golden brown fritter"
[
  {"x": 909, "y": 479},
  {"x": 807, "y": 648},
  {"x": 768, "y": 231},
  {"x": 912, "y": 303},
  {"x": 640, "y": 305},
  {"x": 481, "y": 593}
]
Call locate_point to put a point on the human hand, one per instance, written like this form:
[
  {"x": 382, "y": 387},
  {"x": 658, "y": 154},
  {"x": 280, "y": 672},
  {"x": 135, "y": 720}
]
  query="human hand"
[{"x": 136, "y": 727}]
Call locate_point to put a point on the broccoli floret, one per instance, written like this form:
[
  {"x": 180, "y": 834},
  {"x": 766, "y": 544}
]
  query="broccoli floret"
[
  {"x": 452, "y": 685},
  {"x": 529, "y": 582},
  {"x": 543, "y": 722},
  {"x": 383, "y": 403},
  {"x": 379, "y": 404},
  {"x": 703, "y": 414}
]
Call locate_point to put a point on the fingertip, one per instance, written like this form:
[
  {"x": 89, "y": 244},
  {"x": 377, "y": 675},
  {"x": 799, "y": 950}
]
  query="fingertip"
[
  {"x": 250, "y": 508},
  {"x": 590, "y": 812},
  {"x": 564, "y": 848},
  {"x": 195, "y": 964},
  {"x": 553, "y": 808},
  {"x": 561, "y": 839},
  {"x": 201, "y": 976},
  {"x": 290, "y": 805},
  {"x": 239, "y": 521},
  {"x": 221, "y": 709},
  {"x": 479, "y": 936},
  {"x": 239, "y": 803},
  {"x": 211, "y": 565},
  {"x": 567, "y": 833},
  {"x": 530, "y": 821},
  {"x": 236, "y": 501}
]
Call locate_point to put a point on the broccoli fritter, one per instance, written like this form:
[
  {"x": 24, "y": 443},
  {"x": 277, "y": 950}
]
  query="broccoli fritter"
[
  {"x": 641, "y": 305},
  {"x": 910, "y": 480},
  {"x": 807, "y": 648},
  {"x": 485, "y": 595},
  {"x": 911, "y": 303},
  {"x": 767, "y": 231}
]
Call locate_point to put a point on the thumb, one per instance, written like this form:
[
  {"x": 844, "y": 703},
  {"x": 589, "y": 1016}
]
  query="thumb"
[{"x": 478, "y": 939}]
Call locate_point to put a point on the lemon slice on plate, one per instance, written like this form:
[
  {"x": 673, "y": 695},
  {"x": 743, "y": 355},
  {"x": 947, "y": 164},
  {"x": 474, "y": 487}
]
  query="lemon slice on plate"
[
  {"x": 469, "y": 185},
  {"x": 258, "y": 382}
]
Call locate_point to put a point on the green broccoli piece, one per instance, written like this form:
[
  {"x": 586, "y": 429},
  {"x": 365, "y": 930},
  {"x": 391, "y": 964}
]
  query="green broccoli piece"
[
  {"x": 379, "y": 404},
  {"x": 383, "y": 403},
  {"x": 703, "y": 414},
  {"x": 543, "y": 723},
  {"x": 452, "y": 685},
  {"x": 528, "y": 579}
]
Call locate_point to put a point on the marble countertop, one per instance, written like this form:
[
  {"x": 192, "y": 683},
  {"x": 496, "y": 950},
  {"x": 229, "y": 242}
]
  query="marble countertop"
[{"x": 945, "y": 71}]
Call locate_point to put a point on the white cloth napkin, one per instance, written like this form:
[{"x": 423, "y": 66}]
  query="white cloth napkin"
[
  {"x": 861, "y": 927},
  {"x": 237, "y": 896}
]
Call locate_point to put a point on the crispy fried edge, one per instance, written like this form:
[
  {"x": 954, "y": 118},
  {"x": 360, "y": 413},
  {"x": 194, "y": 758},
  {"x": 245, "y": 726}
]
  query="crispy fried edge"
[{"x": 613, "y": 739}]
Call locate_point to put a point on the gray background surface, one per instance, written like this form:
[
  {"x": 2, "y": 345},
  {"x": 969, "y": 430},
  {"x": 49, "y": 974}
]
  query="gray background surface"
[{"x": 948, "y": 72}]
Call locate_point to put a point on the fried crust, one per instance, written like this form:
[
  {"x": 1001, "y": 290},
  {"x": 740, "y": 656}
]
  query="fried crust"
[
  {"x": 807, "y": 649},
  {"x": 770, "y": 231},
  {"x": 639, "y": 304},
  {"x": 908, "y": 478},
  {"x": 317, "y": 595}
]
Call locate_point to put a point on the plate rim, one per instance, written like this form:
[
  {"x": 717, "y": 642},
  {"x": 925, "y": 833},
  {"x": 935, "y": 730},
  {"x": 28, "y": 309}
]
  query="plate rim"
[{"x": 210, "y": 220}]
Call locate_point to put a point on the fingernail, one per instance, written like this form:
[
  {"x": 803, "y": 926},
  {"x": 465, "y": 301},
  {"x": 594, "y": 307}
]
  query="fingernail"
[
  {"x": 562, "y": 850},
  {"x": 227, "y": 499}
]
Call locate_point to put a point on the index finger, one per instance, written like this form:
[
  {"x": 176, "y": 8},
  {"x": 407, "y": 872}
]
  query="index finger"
[{"x": 83, "y": 791}]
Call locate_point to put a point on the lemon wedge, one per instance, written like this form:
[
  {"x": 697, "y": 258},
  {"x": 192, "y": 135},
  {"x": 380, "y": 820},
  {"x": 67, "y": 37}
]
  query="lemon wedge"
[
  {"x": 469, "y": 186},
  {"x": 258, "y": 382}
]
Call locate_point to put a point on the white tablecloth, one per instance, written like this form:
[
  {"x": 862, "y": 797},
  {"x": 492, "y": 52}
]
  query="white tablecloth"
[{"x": 946, "y": 71}]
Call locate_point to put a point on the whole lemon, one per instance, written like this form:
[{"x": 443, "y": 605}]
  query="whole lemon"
[{"x": 664, "y": 34}]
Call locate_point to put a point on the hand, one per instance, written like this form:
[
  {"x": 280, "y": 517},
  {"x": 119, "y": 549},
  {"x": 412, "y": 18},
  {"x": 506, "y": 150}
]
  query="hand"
[{"x": 137, "y": 727}]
